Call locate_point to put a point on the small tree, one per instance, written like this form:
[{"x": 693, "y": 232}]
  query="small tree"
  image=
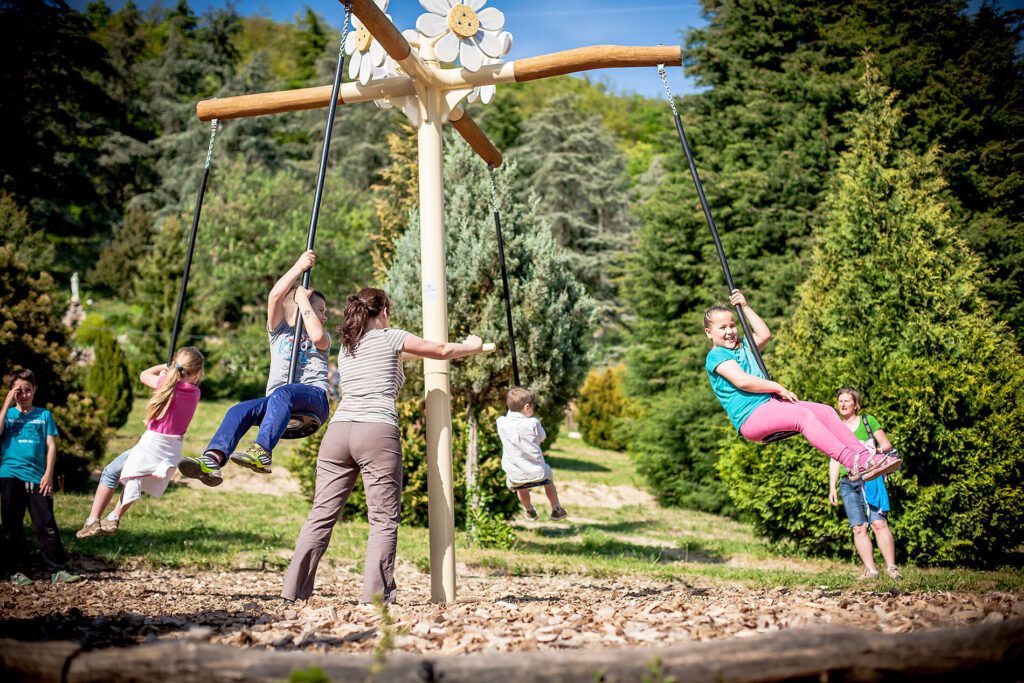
[
  {"x": 108, "y": 379},
  {"x": 602, "y": 407},
  {"x": 891, "y": 305}
]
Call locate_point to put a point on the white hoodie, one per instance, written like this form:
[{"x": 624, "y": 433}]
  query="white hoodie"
[{"x": 521, "y": 456}]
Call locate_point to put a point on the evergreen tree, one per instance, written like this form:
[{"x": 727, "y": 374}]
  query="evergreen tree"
[
  {"x": 309, "y": 46},
  {"x": 108, "y": 379},
  {"x": 552, "y": 313},
  {"x": 502, "y": 120},
  {"x": 119, "y": 260},
  {"x": 396, "y": 196},
  {"x": 601, "y": 407},
  {"x": 891, "y": 304}
]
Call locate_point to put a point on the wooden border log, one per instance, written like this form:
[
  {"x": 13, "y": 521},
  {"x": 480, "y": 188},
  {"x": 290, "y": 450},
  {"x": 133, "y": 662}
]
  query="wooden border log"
[
  {"x": 988, "y": 652},
  {"x": 594, "y": 57},
  {"x": 477, "y": 139}
]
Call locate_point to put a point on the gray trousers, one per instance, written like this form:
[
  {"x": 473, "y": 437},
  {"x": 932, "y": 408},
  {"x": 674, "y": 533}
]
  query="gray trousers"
[{"x": 348, "y": 449}]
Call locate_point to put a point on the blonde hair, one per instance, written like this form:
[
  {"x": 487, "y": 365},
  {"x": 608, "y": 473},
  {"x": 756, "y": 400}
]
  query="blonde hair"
[
  {"x": 188, "y": 360},
  {"x": 518, "y": 398}
]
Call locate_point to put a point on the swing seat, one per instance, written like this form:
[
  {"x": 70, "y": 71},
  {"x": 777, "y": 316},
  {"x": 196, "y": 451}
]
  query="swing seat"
[
  {"x": 530, "y": 485},
  {"x": 778, "y": 436},
  {"x": 300, "y": 425}
]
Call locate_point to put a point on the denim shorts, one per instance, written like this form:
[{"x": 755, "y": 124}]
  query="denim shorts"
[
  {"x": 111, "y": 474},
  {"x": 857, "y": 509}
]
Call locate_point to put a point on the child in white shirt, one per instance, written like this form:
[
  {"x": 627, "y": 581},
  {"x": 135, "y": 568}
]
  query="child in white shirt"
[{"x": 521, "y": 457}]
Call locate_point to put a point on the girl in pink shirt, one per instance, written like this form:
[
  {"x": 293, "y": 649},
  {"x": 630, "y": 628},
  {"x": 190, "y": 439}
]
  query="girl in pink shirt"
[{"x": 144, "y": 467}]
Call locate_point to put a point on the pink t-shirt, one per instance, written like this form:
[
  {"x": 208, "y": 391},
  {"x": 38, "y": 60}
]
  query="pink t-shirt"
[{"x": 179, "y": 414}]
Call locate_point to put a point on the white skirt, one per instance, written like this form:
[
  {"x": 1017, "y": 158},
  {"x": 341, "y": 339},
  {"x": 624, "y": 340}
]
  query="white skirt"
[{"x": 149, "y": 464}]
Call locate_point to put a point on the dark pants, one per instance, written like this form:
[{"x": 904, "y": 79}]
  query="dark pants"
[
  {"x": 348, "y": 450},
  {"x": 15, "y": 497},
  {"x": 272, "y": 413}
]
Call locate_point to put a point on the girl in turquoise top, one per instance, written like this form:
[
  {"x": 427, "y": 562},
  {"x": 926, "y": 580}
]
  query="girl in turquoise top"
[{"x": 759, "y": 407}]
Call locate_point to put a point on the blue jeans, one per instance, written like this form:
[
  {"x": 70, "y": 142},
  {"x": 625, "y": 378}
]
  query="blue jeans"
[
  {"x": 272, "y": 413},
  {"x": 858, "y": 510},
  {"x": 111, "y": 474}
]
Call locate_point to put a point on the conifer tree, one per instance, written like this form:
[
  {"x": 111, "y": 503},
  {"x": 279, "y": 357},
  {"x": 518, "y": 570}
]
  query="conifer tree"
[
  {"x": 396, "y": 196},
  {"x": 891, "y": 305},
  {"x": 108, "y": 379}
]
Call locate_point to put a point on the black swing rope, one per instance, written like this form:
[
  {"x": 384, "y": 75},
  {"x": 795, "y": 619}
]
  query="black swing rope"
[
  {"x": 495, "y": 207},
  {"x": 778, "y": 436},
  {"x": 303, "y": 424},
  {"x": 191, "y": 244}
]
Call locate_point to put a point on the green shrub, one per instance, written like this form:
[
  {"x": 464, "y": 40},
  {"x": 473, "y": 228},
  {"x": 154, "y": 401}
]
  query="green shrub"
[
  {"x": 108, "y": 378},
  {"x": 602, "y": 407},
  {"x": 891, "y": 305}
]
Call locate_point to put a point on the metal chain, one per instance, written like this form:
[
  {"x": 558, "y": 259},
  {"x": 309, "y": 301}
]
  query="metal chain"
[
  {"x": 668, "y": 91},
  {"x": 213, "y": 136},
  {"x": 494, "y": 188},
  {"x": 344, "y": 29}
]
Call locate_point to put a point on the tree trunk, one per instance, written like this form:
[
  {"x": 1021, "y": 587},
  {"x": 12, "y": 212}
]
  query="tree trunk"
[{"x": 472, "y": 458}]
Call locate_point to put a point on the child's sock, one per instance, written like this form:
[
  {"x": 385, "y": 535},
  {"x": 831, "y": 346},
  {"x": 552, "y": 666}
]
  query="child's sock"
[
  {"x": 91, "y": 520},
  {"x": 113, "y": 516}
]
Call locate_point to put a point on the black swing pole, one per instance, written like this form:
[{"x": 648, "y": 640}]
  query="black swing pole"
[
  {"x": 711, "y": 221},
  {"x": 504, "y": 277},
  {"x": 311, "y": 238},
  {"x": 176, "y": 329}
]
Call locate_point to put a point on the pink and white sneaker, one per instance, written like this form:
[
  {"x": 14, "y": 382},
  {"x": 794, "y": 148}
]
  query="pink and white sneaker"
[{"x": 875, "y": 466}]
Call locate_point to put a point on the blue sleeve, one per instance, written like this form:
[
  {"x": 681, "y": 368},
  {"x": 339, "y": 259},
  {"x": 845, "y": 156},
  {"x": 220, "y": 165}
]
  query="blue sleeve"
[
  {"x": 51, "y": 426},
  {"x": 716, "y": 357}
]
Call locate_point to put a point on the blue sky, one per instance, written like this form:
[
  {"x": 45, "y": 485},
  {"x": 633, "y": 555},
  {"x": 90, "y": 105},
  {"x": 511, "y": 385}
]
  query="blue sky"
[{"x": 540, "y": 27}]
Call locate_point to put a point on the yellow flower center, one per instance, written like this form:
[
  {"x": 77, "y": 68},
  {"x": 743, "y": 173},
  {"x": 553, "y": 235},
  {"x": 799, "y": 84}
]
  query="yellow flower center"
[
  {"x": 463, "y": 22},
  {"x": 363, "y": 39}
]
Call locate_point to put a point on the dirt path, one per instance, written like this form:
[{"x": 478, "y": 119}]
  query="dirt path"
[{"x": 493, "y": 613}]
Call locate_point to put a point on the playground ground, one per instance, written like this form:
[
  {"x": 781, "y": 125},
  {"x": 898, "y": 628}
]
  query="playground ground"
[{"x": 207, "y": 564}]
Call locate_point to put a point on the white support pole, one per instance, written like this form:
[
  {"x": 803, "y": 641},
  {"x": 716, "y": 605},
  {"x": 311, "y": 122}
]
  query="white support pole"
[{"x": 441, "y": 505}]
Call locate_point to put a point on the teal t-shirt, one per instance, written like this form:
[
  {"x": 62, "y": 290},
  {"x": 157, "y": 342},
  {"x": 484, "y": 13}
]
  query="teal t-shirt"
[
  {"x": 23, "y": 449},
  {"x": 738, "y": 404},
  {"x": 874, "y": 490}
]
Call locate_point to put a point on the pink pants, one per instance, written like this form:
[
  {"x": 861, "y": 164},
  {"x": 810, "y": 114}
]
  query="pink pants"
[{"x": 819, "y": 424}]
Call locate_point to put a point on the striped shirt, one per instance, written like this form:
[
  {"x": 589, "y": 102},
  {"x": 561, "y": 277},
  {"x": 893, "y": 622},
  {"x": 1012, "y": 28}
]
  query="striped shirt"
[{"x": 372, "y": 378}]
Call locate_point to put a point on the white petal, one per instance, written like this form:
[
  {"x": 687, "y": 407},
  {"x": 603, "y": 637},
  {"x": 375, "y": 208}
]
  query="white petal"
[
  {"x": 474, "y": 5},
  {"x": 365, "y": 70},
  {"x": 350, "y": 42},
  {"x": 487, "y": 93},
  {"x": 506, "y": 42},
  {"x": 473, "y": 96},
  {"x": 431, "y": 25},
  {"x": 447, "y": 49},
  {"x": 411, "y": 35},
  {"x": 376, "y": 53},
  {"x": 382, "y": 5},
  {"x": 353, "y": 66},
  {"x": 489, "y": 43},
  {"x": 436, "y": 6},
  {"x": 491, "y": 19},
  {"x": 470, "y": 56}
]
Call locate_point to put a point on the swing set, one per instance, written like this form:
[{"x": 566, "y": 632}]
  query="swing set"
[{"x": 430, "y": 96}]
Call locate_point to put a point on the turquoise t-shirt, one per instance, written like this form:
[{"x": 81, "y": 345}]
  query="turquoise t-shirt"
[
  {"x": 738, "y": 404},
  {"x": 874, "y": 490},
  {"x": 23, "y": 450}
]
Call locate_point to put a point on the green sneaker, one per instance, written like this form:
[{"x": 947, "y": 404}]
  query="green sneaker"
[
  {"x": 20, "y": 579},
  {"x": 64, "y": 576},
  {"x": 205, "y": 468},
  {"x": 253, "y": 458}
]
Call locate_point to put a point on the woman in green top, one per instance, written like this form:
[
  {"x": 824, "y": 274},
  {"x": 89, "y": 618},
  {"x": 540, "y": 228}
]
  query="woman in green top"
[{"x": 866, "y": 503}]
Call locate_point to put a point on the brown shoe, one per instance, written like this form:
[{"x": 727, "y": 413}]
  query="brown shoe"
[
  {"x": 108, "y": 527},
  {"x": 89, "y": 530}
]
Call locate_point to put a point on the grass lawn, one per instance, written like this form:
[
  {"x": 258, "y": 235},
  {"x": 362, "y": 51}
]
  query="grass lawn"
[{"x": 212, "y": 528}]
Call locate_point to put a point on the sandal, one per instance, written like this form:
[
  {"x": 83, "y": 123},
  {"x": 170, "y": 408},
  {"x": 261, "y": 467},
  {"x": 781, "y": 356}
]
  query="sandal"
[{"x": 875, "y": 466}]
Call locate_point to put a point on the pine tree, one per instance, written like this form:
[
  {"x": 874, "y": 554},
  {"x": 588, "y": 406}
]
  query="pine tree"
[
  {"x": 108, "y": 379},
  {"x": 396, "y": 196},
  {"x": 309, "y": 48},
  {"x": 891, "y": 305},
  {"x": 552, "y": 313},
  {"x": 601, "y": 407},
  {"x": 119, "y": 261}
]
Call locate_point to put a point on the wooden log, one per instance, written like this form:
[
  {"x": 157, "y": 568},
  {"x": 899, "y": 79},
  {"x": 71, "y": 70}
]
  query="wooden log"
[
  {"x": 594, "y": 57},
  {"x": 477, "y": 139},
  {"x": 281, "y": 101},
  {"x": 21, "y": 661}
]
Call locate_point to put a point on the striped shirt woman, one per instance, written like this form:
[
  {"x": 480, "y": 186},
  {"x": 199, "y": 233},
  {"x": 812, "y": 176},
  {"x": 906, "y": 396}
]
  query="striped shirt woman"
[{"x": 363, "y": 438}]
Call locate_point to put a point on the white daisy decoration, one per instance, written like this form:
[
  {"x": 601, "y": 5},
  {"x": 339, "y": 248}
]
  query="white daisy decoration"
[
  {"x": 366, "y": 55},
  {"x": 459, "y": 29}
]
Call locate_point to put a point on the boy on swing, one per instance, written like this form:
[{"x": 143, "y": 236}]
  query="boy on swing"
[
  {"x": 283, "y": 397},
  {"x": 521, "y": 456}
]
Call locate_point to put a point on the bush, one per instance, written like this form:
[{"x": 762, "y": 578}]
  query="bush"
[
  {"x": 891, "y": 305},
  {"x": 108, "y": 379},
  {"x": 602, "y": 408},
  {"x": 503, "y": 503}
]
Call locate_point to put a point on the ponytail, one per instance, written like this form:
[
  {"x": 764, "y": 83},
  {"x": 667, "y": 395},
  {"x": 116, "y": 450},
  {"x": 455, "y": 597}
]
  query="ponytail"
[
  {"x": 359, "y": 309},
  {"x": 188, "y": 360}
]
